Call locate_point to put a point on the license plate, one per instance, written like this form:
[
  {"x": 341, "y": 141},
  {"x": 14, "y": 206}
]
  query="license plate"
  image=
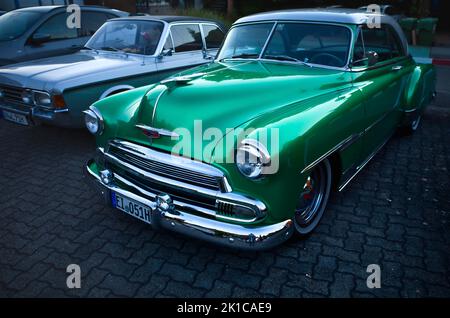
[
  {"x": 131, "y": 207},
  {"x": 15, "y": 118}
]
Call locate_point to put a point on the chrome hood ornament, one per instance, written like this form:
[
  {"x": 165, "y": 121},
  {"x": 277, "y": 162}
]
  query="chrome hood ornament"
[{"x": 156, "y": 133}]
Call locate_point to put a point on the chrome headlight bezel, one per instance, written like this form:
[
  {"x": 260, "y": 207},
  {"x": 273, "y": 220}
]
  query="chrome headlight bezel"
[
  {"x": 42, "y": 98},
  {"x": 251, "y": 158},
  {"x": 93, "y": 120}
]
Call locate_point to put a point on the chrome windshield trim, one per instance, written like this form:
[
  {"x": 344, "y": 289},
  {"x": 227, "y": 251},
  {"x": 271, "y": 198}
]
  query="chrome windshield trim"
[{"x": 276, "y": 22}]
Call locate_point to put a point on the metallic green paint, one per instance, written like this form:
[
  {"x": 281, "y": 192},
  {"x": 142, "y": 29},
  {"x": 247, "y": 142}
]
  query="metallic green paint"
[{"x": 343, "y": 115}]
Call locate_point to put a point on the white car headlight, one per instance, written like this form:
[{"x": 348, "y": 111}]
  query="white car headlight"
[
  {"x": 42, "y": 99},
  {"x": 251, "y": 158},
  {"x": 94, "y": 121},
  {"x": 27, "y": 97}
]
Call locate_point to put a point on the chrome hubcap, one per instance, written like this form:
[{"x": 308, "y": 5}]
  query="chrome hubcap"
[
  {"x": 311, "y": 198},
  {"x": 415, "y": 124}
]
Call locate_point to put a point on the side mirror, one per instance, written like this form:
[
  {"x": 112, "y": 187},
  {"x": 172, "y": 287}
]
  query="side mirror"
[
  {"x": 207, "y": 56},
  {"x": 39, "y": 38},
  {"x": 369, "y": 60},
  {"x": 372, "y": 58},
  {"x": 165, "y": 52}
]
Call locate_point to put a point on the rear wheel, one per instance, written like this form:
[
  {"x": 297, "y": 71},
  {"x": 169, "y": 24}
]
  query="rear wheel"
[{"x": 313, "y": 199}]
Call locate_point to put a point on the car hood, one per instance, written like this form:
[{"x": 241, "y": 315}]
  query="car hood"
[
  {"x": 65, "y": 71},
  {"x": 224, "y": 96}
]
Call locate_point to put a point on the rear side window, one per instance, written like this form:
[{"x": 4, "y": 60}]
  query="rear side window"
[
  {"x": 56, "y": 27},
  {"x": 91, "y": 22},
  {"x": 384, "y": 41},
  {"x": 186, "y": 37},
  {"x": 213, "y": 36}
]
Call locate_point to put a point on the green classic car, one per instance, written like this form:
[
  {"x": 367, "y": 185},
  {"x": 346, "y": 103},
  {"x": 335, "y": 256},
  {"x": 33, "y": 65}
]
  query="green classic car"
[{"x": 246, "y": 150}]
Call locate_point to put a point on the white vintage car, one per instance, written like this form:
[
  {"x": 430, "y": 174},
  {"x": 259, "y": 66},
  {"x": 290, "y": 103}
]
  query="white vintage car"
[{"x": 124, "y": 54}]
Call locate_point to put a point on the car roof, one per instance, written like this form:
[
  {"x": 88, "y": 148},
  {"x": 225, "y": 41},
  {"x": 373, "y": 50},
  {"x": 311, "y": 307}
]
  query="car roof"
[
  {"x": 334, "y": 15},
  {"x": 46, "y": 9},
  {"x": 168, "y": 18}
]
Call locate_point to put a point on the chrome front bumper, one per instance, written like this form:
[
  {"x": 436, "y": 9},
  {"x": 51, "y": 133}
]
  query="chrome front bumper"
[
  {"x": 217, "y": 232},
  {"x": 36, "y": 115}
]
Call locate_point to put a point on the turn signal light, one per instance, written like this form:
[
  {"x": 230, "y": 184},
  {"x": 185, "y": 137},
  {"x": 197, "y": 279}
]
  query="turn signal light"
[{"x": 58, "y": 101}]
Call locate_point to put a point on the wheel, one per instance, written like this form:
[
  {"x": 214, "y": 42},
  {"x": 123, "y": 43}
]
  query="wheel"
[
  {"x": 412, "y": 126},
  {"x": 313, "y": 199}
]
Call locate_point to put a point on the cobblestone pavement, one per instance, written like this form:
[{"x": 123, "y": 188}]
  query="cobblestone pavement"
[{"x": 396, "y": 214}]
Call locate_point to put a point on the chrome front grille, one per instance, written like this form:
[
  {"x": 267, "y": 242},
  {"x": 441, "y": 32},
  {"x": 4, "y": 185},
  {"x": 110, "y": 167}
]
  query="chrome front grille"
[
  {"x": 12, "y": 94},
  {"x": 165, "y": 165},
  {"x": 195, "y": 187}
]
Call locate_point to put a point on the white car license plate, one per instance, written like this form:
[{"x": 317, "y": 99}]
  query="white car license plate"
[
  {"x": 15, "y": 118},
  {"x": 131, "y": 207}
]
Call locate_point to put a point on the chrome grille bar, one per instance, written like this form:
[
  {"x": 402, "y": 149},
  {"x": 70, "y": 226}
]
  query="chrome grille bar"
[{"x": 169, "y": 166}]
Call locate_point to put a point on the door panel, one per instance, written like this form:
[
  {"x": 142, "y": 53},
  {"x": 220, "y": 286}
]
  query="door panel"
[{"x": 382, "y": 86}]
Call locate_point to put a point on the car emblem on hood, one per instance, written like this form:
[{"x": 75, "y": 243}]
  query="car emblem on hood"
[{"x": 156, "y": 133}]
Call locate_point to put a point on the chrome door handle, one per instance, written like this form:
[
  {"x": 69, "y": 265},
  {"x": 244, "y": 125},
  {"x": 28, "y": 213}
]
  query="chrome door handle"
[{"x": 397, "y": 68}]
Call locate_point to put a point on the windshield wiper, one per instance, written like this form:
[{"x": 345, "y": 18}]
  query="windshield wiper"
[
  {"x": 110, "y": 48},
  {"x": 242, "y": 56},
  {"x": 286, "y": 58}
]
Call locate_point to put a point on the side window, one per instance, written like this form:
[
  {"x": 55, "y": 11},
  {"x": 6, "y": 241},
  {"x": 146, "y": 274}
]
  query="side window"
[
  {"x": 187, "y": 37},
  {"x": 384, "y": 41},
  {"x": 396, "y": 45},
  {"x": 91, "y": 22},
  {"x": 57, "y": 28},
  {"x": 213, "y": 36},
  {"x": 377, "y": 40},
  {"x": 169, "y": 44}
]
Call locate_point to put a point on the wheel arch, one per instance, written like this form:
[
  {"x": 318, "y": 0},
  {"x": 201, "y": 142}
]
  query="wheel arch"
[{"x": 115, "y": 90}]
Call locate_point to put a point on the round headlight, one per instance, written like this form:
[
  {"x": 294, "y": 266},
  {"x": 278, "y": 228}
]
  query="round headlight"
[
  {"x": 27, "y": 98},
  {"x": 42, "y": 98},
  {"x": 251, "y": 158},
  {"x": 93, "y": 121}
]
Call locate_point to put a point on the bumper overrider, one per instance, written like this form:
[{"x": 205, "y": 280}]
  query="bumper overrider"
[{"x": 190, "y": 219}]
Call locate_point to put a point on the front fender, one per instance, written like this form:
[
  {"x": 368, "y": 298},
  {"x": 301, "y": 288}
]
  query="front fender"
[
  {"x": 117, "y": 110},
  {"x": 306, "y": 131}
]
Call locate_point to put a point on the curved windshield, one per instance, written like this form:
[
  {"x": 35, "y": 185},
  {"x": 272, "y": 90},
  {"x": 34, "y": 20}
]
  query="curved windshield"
[
  {"x": 138, "y": 37},
  {"x": 245, "y": 41},
  {"x": 14, "y": 24},
  {"x": 318, "y": 44}
]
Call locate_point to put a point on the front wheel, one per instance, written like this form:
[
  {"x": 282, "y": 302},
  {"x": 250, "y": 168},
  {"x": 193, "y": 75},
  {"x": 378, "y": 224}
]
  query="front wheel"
[
  {"x": 414, "y": 125},
  {"x": 313, "y": 199}
]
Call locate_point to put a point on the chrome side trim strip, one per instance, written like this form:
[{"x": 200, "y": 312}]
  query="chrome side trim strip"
[
  {"x": 343, "y": 144},
  {"x": 360, "y": 167}
]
